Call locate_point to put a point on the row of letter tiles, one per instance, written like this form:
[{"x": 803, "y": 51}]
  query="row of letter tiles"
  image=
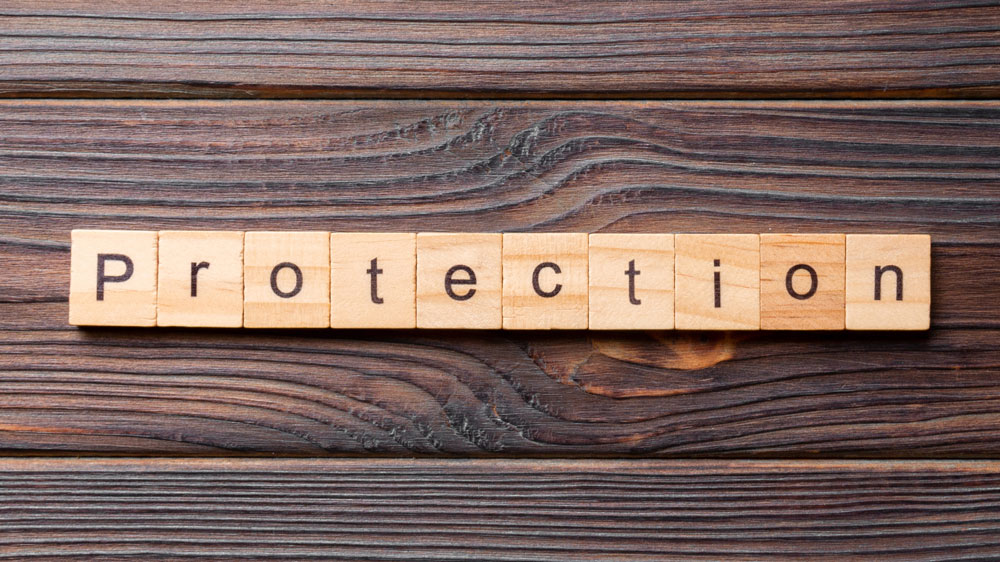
[{"x": 512, "y": 281}]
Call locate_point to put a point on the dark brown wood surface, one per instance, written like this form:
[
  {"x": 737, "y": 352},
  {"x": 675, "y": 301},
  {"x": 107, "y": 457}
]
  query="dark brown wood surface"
[
  {"x": 700, "y": 48},
  {"x": 508, "y": 510},
  {"x": 500, "y": 164},
  {"x": 931, "y": 167}
]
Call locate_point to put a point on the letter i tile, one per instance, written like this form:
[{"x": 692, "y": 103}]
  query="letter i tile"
[{"x": 717, "y": 281}]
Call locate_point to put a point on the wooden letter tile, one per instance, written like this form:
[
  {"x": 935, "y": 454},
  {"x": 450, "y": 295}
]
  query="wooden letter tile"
[
  {"x": 373, "y": 280},
  {"x": 802, "y": 281},
  {"x": 200, "y": 280},
  {"x": 286, "y": 280},
  {"x": 717, "y": 281},
  {"x": 631, "y": 281},
  {"x": 888, "y": 282},
  {"x": 545, "y": 281},
  {"x": 459, "y": 280},
  {"x": 112, "y": 278}
]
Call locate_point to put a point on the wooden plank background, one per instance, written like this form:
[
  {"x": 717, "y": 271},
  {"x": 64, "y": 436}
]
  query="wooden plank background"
[
  {"x": 227, "y": 48},
  {"x": 488, "y": 510},
  {"x": 580, "y": 166},
  {"x": 579, "y": 126}
]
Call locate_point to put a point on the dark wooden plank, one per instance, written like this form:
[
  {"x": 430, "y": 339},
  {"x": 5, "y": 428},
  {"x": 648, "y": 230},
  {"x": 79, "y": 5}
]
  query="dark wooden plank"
[
  {"x": 713, "y": 48},
  {"x": 490, "y": 510},
  {"x": 593, "y": 166}
]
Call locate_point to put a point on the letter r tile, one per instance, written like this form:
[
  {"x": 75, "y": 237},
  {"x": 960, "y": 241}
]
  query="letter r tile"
[
  {"x": 112, "y": 278},
  {"x": 286, "y": 278},
  {"x": 545, "y": 281},
  {"x": 200, "y": 279}
]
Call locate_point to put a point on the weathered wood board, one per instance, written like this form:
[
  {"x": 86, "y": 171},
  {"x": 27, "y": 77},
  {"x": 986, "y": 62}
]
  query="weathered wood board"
[
  {"x": 62, "y": 509},
  {"x": 892, "y": 167},
  {"x": 642, "y": 49}
]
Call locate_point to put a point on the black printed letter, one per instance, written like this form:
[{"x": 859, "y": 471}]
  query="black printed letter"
[
  {"x": 632, "y": 272},
  {"x": 298, "y": 280},
  {"x": 814, "y": 281},
  {"x": 194, "y": 276},
  {"x": 534, "y": 280},
  {"x": 374, "y": 271},
  {"x": 449, "y": 281},
  {"x": 102, "y": 278},
  {"x": 718, "y": 285},
  {"x": 879, "y": 270}
]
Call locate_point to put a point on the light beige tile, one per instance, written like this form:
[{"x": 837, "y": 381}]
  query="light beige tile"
[
  {"x": 802, "y": 281},
  {"x": 112, "y": 278},
  {"x": 373, "y": 280},
  {"x": 298, "y": 263},
  {"x": 545, "y": 281},
  {"x": 631, "y": 282},
  {"x": 717, "y": 281},
  {"x": 200, "y": 279},
  {"x": 888, "y": 281},
  {"x": 459, "y": 280}
]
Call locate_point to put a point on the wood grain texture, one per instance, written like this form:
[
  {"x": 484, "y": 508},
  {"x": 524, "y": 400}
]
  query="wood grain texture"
[
  {"x": 917, "y": 167},
  {"x": 700, "y": 48},
  {"x": 498, "y": 510}
]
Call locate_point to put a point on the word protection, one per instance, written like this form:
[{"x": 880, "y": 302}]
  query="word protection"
[{"x": 509, "y": 281}]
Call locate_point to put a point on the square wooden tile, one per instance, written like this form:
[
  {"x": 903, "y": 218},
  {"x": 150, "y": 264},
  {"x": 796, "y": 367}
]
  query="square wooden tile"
[
  {"x": 286, "y": 279},
  {"x": 200, "y": 279},
  {"x": 888, "y": 281},
  {"x": 373, "y": 280},
  {"x": 112, "y": 278},
  {"x": 717, "y": 282},
  {"x": 802, "y": 281},
  {"x": 545, "y": 281},
  {"x": 459, "y": 280},
  {"x": 631, "y": 282}
]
